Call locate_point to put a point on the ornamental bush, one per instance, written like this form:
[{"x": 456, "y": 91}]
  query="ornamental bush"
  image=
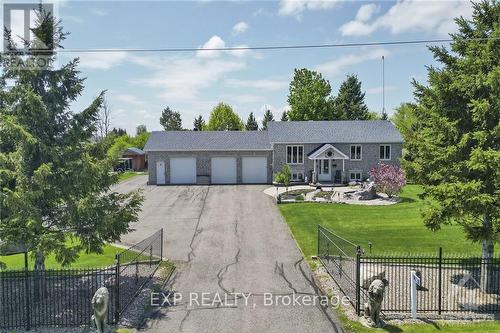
[{"x": 388, "y": 179}]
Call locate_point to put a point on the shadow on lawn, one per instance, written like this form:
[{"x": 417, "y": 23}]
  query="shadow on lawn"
[{"x": 407, "y": 200}]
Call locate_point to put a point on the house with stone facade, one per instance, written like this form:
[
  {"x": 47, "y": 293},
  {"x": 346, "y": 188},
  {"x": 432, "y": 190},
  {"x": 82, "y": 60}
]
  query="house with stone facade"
[{"x": 324, "y": 152}]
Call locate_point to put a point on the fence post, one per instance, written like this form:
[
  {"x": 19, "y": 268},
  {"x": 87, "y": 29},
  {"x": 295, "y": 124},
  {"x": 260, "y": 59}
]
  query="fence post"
[
  {"x": 358, "y": 286},
  {"x": 318, "y": 242},
  {"x": 440, "y": 270},
  {"x": 117, "y": 289},
  {"x": 161, "y": 244},
  {"x": 27, "y": 292}
]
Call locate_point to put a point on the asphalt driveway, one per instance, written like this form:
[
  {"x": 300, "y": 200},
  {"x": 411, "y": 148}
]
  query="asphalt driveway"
[{"x": 225, "y": 240}]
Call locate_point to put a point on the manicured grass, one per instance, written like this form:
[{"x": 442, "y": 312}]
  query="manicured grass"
[
  {"x": 434, "y": 327},
  {"x": 129, "y": 174},
  {"x": 394, "y": 228},
  {"x": 85, "y": 260}
]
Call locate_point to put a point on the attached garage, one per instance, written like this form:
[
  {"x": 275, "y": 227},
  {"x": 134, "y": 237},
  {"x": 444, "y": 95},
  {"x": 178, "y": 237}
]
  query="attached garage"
[
  {"x": 183, "y": 170},
  {"x": 223, "y": 170},
  {"x": 209, "y": 157},
  {"x": 254, "y": 170}
]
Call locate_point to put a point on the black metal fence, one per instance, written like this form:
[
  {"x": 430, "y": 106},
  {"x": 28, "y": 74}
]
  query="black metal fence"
[
  {"x": 62, "y": 297},
  {"x": 449, "y": 284}
]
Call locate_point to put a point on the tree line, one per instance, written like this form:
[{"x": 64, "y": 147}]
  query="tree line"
[{"x": 310, "y": 98}]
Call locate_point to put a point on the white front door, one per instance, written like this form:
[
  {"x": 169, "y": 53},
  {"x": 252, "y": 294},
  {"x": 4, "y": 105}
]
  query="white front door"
[
  {"x": 223, "y": 170},
  {"x": 183, "y": 170},
  {"x": 160, "y": 173},
  {"x": 325, "y": 170}
]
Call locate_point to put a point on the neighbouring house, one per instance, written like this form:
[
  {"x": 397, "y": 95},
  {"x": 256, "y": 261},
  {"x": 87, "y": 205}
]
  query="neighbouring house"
[
  {"x": 324, "y": 152},
  {"x": 134, "y": 158}
]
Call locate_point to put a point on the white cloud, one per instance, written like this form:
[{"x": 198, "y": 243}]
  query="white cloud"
[
  {"x": 337, "y": 66},
  {"x": 264, "y": 84},
  {"x": 410, "y": 16},
  {"x": 366, "y": 12},
  {"x": 240, "y": 27},
  {"x": 131, "y": 99},
  {"x": 297, "y": 7},
  {"x": 182, "y": 79},
  {"x": 215, "y": 42},
  {"x": 102, "y": 60}
]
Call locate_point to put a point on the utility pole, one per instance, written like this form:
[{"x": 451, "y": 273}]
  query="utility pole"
[{"x": 384, "y": 115}]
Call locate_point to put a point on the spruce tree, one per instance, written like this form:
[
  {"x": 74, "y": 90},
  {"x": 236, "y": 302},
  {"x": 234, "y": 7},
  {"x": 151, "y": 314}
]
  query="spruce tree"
[
  {"x": 251, "y": 124},
  {"x": 199, "y": 123},
  {"x": 268, "y": 116},
  {"x": 350, "y": 101},
  {"x": 170, "y": 120},
  {"x": 284, "y": 116},
  {"x": 456, "y": 145},
  {"x": 56, "y": 192}
]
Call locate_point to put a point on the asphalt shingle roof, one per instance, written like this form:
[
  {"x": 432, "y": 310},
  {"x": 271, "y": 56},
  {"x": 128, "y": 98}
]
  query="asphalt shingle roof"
[
  {"x": 207, "y": 140},
  {"x": 344, "y": 131}
]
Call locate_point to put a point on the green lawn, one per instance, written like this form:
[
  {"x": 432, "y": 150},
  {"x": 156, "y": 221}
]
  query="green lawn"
[
  {"x": 434, "y": 327},
  {"x": 129, "y": 174},
  {"x": 84, "y": 261},
  {"x": 395, "y": 228}
]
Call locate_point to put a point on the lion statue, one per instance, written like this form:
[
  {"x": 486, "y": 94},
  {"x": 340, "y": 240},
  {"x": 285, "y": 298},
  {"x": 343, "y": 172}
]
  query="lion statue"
[
  {"x": 374, "y": 304},
  {"x": 100, "y": 303}
]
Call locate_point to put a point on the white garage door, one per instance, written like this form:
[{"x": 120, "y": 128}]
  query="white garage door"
[
  {"x": 254, "y": 170},
  {"x": 183, "y": 170},
  {"x": 223, "y": 170}
]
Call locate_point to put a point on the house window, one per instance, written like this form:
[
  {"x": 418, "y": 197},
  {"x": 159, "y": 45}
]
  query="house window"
[
  {"x": 355, "y": 152},
  {"x": 385, "y": 152},
  {"x": 294, "y": 154},
  {"x": 298, "y": 176},
  {"x": 355, "y": 175}
]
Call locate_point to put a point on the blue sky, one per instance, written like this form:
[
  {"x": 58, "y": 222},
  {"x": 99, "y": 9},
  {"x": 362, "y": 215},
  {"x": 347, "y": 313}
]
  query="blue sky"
[{"x": 140, "y": 85}]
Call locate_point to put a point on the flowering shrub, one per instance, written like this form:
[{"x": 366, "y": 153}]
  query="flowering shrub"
[{"x": 388, "y": 179}]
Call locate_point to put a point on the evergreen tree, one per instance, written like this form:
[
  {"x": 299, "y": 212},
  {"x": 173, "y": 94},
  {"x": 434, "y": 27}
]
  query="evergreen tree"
[
  {"x": 350, "y": 101},
  {"x": 223, "y": 118},
  {"x": 55, "y": 184},
  {"x": 284, "y": 116},
  {"x": 456, "y": 148},
  {"x": 251, "y": 124},
  {"x": 170, "y": 120},
  {"x": 309, "y": 96},
  {"x": 199, "y": 123},
  {"x": 268, "y": 116},
  {"x": 141, "y": 129}
]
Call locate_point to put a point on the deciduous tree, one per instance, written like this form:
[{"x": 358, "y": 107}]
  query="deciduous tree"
[
  {"x": 223, "y": 118},
  {"x": 309, "y": 96}
]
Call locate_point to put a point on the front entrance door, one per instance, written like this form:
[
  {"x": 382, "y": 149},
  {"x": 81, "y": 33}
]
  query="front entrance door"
[{"x": 325, "y": 170}]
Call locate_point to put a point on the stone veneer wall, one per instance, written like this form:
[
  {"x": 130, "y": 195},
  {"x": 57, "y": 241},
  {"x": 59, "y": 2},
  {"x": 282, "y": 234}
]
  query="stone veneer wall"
[
  {"x": 369, "y": 158},
  {"x": 203, "y": 164}
]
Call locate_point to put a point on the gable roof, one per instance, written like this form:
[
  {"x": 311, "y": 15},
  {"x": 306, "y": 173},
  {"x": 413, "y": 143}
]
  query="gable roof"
[
  {"x": 337, "y": 154},
  {"x": 207, "y": 141},
  {"x": 133, "y": 151},
  {"x": 339, "y": 131}
]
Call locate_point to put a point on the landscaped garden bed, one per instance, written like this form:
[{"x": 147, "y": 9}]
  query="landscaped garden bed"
[{"x": 295, "y": 194}]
